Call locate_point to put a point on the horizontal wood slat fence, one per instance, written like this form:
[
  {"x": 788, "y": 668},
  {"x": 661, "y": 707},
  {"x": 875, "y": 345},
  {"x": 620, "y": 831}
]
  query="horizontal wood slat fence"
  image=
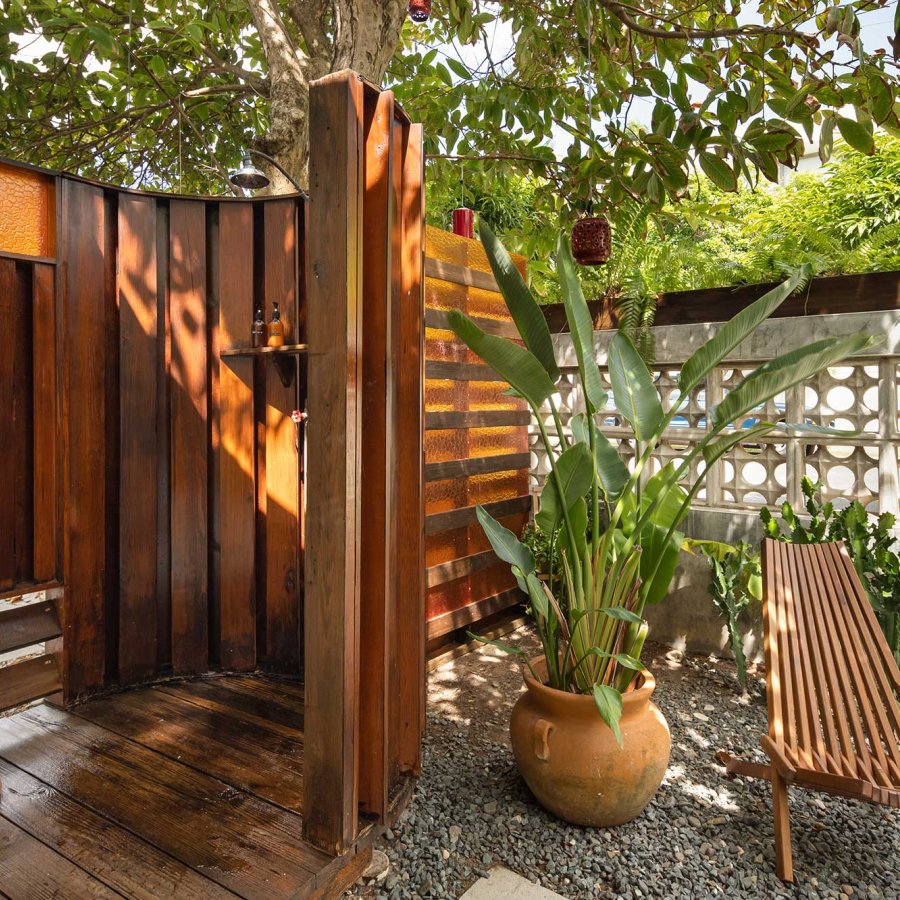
[
  {"x": 868, "y": 292},
  {"x": 476, "y": 444}
]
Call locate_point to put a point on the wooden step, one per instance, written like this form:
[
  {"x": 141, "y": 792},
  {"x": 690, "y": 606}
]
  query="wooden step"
[
  {"x": 29, "y": 680},
  {"x": 23, "y": 626}
]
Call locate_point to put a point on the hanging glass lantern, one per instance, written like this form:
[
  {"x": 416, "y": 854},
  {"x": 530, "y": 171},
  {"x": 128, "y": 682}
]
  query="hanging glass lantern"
[
  {"x": 591, "y": 240},
  {"x": 419, "y": 10}
]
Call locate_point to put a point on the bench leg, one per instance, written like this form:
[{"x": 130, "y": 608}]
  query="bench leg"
[{"x": 784, "y": 864}]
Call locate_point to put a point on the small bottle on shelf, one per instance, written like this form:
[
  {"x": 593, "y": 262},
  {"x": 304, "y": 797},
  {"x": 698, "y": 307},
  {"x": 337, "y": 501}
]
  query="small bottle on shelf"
[
  {"x": 258, "y": 332},
  {"x": 275, "y": 328}
]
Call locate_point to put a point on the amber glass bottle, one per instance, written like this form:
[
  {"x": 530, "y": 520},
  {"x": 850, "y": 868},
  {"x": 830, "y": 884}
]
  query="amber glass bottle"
[
  {"x": 258, "y": 332},
  {"x": 275, "y": 328}
]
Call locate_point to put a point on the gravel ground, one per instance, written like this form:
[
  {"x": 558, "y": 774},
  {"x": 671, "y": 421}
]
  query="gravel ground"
[{"x": 702, "y": 835}]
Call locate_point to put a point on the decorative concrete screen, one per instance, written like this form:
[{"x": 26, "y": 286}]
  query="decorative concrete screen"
[{"x": 859, "y": 395}]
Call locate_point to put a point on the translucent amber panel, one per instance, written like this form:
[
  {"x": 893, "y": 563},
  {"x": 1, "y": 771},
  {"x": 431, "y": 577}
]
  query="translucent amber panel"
[
  {"x": 27, "y": 212},
  {"x": 445, "y": 245}
]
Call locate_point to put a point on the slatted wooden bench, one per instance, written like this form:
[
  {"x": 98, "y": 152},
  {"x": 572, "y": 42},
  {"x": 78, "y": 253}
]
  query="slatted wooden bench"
[{"x": 832, "y": 687}]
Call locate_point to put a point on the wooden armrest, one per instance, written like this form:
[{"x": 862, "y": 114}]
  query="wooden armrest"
[{"x": 786, "y": 769}]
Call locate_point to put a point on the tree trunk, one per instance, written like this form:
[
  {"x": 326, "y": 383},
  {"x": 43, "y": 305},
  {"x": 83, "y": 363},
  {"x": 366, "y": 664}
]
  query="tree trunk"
[{"x": 361, "y": 35}]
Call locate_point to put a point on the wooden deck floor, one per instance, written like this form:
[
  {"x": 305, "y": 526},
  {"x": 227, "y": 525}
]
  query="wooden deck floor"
[{"x": 188, "y": 790}]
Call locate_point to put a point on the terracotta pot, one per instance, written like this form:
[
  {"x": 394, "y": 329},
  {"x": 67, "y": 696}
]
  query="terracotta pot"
[
  {"x": 591, "y": 241},
  {"x": 569, "y": 757}
]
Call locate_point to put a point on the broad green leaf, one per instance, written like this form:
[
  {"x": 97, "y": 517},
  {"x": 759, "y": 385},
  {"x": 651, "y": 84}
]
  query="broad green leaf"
[
  {"x": 609, "y": 703},
  {"x": 784, "y": 372},
  {"x": 621, "y": 614},
  {"x": 671, "y": 496},
  {"x": 506, "y": 545},
  {"x": 537, "y": 596},
  {"x": 856, "y": 135},
  {"x": 575, "y": 470},
  {"x": 578, "y": 518},
  {"x": 633, "y": 388},
  {"x": 716, "y": 449},
  {"x": 517, "y": 365},
  {"x": 611, "y": 468},
  {"x": 810, "y": 428},
  {"x": 730, "y": 335},
  {"x": 659, "y": 560},
  {"x": 580, "y": 325},
  {"x": 718, "y": 171},
  {"x": 523, "y": 308}
]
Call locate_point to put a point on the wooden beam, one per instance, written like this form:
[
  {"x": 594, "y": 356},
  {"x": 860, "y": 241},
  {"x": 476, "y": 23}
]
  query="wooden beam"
[
  {"x": 460, "y": 618},
  {"x": 458, "y": 274},
  {"x": 482, "y": 465},
  {"x": 139, "y": 410},
  {"x": 459, "y": 568},
  {"x": 189, "y": 440},
  {"x": 460, "y": 371},
  {"x": 47, "y": 445},
  {"x": 378, "y": 559},
  {"x": 332, "y": 571},
  {"x": 460, "y": 518},
  {"x": 84, "y": 616},
  {"x": 437, "y": 318},
  {"x": 409, "y": 647},
  {"x": 234, "y": 496},
  {"x": 478, "y": 418}
]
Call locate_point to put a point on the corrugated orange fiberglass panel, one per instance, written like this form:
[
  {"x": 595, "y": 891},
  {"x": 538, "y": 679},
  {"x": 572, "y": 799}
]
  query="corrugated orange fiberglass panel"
[{"x": 27, "y": 212}]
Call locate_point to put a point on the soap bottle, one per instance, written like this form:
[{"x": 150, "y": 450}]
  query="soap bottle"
[
  {"x": 275, "y": 328},
  {"x": 258, "y": 332}
]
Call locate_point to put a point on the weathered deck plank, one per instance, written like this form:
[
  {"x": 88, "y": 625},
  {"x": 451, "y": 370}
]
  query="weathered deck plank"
[
  {"x": 101, "y": 848},
  {"x": 250, "y": 757},
  {"x": 162, "y": 792}
]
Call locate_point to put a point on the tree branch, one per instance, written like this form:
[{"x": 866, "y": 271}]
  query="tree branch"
[{"x": 625, "y": 14}]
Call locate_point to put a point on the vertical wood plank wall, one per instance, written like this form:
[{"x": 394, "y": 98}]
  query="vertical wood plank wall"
[
  {"x": 364, "y": 647},
  {"x": 163, "y": 464},
  {"x": 476, "y": 444}
]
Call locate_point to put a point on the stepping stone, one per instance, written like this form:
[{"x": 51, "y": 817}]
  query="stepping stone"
[{"x": 502, "y": 884}]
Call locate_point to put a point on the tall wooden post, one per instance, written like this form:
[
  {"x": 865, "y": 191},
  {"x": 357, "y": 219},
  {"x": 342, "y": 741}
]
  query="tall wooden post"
[
  {"x": 332, "y": 573},
  {"x": 364, "y": 619}
]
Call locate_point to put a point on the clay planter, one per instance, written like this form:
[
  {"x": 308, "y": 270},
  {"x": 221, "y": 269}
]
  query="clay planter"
[{"x": 571, "y": 761}]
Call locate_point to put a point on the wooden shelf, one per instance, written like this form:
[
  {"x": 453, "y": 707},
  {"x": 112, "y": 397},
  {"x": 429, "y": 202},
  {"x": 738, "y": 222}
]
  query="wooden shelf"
[{"x": 286, "y": 350}]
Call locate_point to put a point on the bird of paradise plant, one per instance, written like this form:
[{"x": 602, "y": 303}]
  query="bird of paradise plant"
[{"x": 617, "y": 528}]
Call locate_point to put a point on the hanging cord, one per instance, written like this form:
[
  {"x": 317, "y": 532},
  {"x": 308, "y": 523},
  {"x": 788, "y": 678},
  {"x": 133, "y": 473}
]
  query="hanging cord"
[
  {"x": 591, "y": 93},
  {"x": 462, "y": 185}
]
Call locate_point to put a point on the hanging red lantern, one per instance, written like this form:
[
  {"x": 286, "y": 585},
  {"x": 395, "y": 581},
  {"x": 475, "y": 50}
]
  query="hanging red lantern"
[
  {"x": 419, "y": 10},
  {"x": 591, "y": 241},
  {"x": 464, "y": 222}
]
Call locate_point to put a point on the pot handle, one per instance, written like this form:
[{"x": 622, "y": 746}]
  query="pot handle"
[{"x": 542, "y": 731}]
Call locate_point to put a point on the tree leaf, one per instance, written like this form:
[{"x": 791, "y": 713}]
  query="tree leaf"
[
  {"x": 518, "y": 366},
  {"x": 523, "y": 308},
  {"x": 718, "y": 171},
  {"x": 580, "y": 325},
  {"x": 633, "y": 388},
  {"x": 609, "y": 703},
  {"x": 856, "y": 135},
  {"x": 575, "y": 470}
]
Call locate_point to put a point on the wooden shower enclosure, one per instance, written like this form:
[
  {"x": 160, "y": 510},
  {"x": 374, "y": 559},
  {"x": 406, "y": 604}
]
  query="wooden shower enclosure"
[{"x": 170, "y": 521}]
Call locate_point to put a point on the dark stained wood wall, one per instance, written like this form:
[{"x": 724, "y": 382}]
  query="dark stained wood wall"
[
  {"x": 365, "y": 633},
  {"x": 182, "y": 549},
  {"x": 476, "y": 444}
]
